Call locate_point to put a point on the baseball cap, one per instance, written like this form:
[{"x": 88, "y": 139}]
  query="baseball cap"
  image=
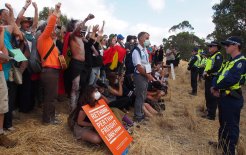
[
  {"x": 120, "y": 37},
  {"x": 195, "y": 49},
  {"x": 233, "y": 40}
]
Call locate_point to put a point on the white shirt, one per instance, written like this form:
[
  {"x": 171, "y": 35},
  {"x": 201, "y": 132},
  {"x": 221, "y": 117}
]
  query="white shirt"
[{"x": 142, "y": 59}]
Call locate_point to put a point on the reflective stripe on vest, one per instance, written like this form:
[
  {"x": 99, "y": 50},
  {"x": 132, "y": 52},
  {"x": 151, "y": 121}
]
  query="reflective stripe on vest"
[{"x": 225, "y": 71}]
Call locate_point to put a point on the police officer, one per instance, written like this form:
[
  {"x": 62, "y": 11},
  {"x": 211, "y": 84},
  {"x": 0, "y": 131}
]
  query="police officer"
[
  {"x": 227, "y": 86},
  {"x": 193, "y": 67},
  {"x": 213, "y": 65}
]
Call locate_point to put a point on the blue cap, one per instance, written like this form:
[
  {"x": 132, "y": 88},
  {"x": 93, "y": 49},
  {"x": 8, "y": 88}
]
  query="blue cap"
[
  {"x": 120, "y": 37},
  {"x": 195, "y": 49}
]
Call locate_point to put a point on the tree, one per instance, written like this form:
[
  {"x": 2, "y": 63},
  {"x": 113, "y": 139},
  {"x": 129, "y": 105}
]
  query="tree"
[
  {"x": 43, "y": 15},
  {"x": 183, "y": 41},
  {"x": 230, "y": 20},
  {"x": 181, "y": 26}
]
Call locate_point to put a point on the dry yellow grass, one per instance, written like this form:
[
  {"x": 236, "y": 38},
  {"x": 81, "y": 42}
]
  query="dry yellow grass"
[{"x": 180, "y": 131}]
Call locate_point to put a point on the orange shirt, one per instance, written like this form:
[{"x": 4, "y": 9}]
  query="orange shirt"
[
  {"x": 1, "y": 67},
  {"x": 45, "y": 42}
]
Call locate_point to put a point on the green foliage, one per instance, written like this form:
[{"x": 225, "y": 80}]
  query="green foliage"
[
  {"x": 230, "y": 20},
  {"x": 183, "y": 41},
  {"x": 43, "y": 15},
  {"x": 181, "y": 26}
]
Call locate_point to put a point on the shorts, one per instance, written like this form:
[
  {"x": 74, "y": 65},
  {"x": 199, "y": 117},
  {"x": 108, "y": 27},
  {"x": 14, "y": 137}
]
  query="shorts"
[{"x": 3, "y": 94}]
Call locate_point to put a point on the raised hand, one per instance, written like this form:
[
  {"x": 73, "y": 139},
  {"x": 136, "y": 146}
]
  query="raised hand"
[
  {"x": 34, "y": 4},
  {"x": 28, "y": 3},
  {"x": 57, "y": 10},
  {"x": 95, "y": 28},
  {"x": 90, "y": 16},
  {"x": 8, "y": 6}
]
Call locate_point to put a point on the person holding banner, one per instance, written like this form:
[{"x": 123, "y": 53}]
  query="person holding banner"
[{"x": 83, "y": 128}]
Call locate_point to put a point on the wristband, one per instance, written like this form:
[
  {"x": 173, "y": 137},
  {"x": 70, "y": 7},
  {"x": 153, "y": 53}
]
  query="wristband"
[{"x": 24, "y": 8}]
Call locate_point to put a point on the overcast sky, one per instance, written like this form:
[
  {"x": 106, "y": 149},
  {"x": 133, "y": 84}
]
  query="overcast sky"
[{"x": 132, "y": 16}]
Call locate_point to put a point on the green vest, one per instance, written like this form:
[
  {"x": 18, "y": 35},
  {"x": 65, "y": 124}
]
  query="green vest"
[
  {"x": 203, "y": 62},
  {"x": 226, "y": 69},
  {"x": 198, "y": 61},
  {"x": 210, "y": 62}
]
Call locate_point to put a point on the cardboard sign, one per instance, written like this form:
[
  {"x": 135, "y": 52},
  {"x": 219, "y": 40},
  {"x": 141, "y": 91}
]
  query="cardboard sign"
[
  {"x": 108, "y": 127},
  {"x": 18, "y": 55},
  {"x": 172, "y": 71}
]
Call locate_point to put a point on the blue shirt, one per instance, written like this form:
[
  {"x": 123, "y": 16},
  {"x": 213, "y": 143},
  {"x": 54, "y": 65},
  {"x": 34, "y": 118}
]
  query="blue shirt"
[{"x": 8, "y": 45}]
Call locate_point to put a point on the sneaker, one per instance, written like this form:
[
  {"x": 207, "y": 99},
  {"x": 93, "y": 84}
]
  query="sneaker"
[
  {"x": 53, "y": 122},
  {"x": 11, "y": 129},
  {"x": 6, "y": 142}
]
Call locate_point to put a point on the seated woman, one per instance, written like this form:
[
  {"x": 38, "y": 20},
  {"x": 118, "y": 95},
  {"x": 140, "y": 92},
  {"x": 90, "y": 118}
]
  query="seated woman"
[
  {"x": 114, "y": 92},
  {"x": 83, "y": 128}
]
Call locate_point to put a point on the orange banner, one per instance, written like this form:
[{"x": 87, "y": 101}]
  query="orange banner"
[{"x": 108, "y": 126}]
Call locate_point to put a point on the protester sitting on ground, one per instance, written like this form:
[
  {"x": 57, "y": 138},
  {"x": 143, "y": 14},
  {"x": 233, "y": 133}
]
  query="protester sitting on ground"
[
  {"x": 122, "y": 116},
  {"x": 83, "y": 128},
  {"x": 114, "y": 90}
]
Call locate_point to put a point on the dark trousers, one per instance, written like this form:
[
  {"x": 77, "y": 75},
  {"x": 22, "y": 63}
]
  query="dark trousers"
[
  {"x": 12, "y": 89},
  {"x": 85, "y": 78},
  {"x": 229, "y": 118},
  {"x": 25, "y": 94},
  {"x": 211, "y": 101},
  {"x": 49, "y": 79},
  {"x": 194, "y": 75},
  {"x": 120, "y": 103}
]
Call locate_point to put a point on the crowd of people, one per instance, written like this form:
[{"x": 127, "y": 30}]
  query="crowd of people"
[
  {"x": 223, "y": 80},
  {"x": 86, "y": 65},
  {"x": 78, "y": 62}
]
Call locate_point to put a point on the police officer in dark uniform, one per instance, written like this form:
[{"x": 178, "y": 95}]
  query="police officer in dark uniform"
[
  {"x": 193, "y": 67},
  {"x": 227, "y": 86},
  {"x": 212, "y": 67}
]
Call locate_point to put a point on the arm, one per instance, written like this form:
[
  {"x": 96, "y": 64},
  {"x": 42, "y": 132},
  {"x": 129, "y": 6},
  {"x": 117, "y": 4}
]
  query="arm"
[
  {"x": 35, "y": 19},
  {"x": 82, "y": 24},
  {"x": 2, "y": 47},
  {"x": 192, "y": 62},
  {"x": 81, "y": 118},
  {"x": 21, "y": 13},
  {"x": 233, "y": 77},
  {"x": 13, "y": 28},
  {"x": 52, "y": 22}
]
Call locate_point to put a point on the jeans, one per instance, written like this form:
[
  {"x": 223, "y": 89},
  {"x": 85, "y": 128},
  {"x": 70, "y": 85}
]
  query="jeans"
[{"x": 95, "y": 72}]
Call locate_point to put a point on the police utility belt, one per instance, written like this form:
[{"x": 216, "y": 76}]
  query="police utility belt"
[{"x": 237, "y": 93}]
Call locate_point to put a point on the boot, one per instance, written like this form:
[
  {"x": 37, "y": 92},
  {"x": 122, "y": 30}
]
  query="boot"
[{"x": 6, "y": 142}]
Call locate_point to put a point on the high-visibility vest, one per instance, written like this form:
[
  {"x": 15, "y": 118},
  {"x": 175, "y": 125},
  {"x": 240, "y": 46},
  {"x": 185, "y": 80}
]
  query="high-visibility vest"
[
  {"x": 203, "y": 62},
  {"x": 227, "y": 68},
  {"x": 210, "y": 62},
  {"x": 198, "y": 61}
]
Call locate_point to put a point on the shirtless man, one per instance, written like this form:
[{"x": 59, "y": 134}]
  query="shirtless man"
[{"x": 77, "y": 64}]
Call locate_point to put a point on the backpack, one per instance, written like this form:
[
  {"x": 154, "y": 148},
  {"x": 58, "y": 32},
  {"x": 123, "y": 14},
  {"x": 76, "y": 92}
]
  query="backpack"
[
  {"x": 34, "y": 62},
  {"x": 128, "y": 61}
]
